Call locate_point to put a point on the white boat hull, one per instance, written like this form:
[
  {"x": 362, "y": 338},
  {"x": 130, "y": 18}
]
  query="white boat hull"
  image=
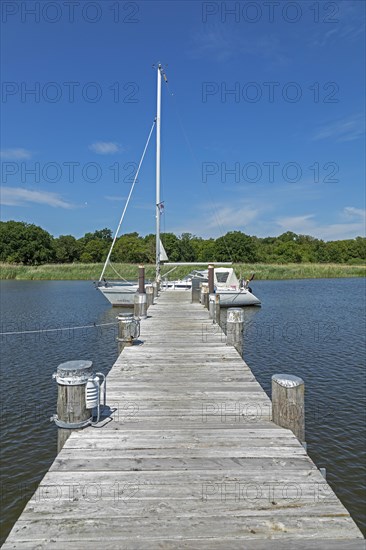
[
  {"x": 237, "y": 298},
  {"x": 176, "y": 285},
  {"x": 228, "y": 297},
  {"x": 119, "y": 295}
]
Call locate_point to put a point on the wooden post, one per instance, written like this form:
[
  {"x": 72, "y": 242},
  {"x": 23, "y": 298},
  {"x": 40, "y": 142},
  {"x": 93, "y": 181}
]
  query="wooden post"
[
  {"x": 72, "y": 414},
  {"x": 204, "y": 295},
  {"x": 140, "y": 305},
  {"x": 211, "y": 280},
  {"x": 288, "y": 403},
  {"x": 141, "y": 279},
  {"x": 234, "y": 328},
  {"x": 149, "y": 295}
]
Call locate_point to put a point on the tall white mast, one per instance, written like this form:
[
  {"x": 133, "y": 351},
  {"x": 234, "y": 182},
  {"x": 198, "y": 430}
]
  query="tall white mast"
[{"x": 158, "y": 122}]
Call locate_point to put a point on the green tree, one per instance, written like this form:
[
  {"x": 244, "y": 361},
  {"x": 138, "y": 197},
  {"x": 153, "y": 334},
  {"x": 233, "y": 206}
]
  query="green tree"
[
  {"x": 237, "y": 247},
  {"x": 25, "y": 243},
  {"x": 130, "y": 248},
  {"x": 67, "y": 249},
  {"x": 288, "y": 251},
  {"x": 186, "y": 248},
  {"x": 104, "y": 235},
  {"x": 150, "y": 245},
  {"x": 204, "y": 249},
  {"x": 288, "y": 236},
  {"x": 86, "y": 258},
  {"x": 96, "y": 249}
]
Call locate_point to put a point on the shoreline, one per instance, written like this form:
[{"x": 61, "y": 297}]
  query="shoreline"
[{"x": 91, "y": 272}]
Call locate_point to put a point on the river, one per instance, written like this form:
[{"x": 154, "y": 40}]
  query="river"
[{"x": 312, "y": 328}]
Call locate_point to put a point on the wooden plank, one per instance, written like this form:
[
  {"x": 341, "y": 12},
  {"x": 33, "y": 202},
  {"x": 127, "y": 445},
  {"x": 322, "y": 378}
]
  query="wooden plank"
[
  {"x": 162, "y": 525},
  {"x": 189, "y": 543}
]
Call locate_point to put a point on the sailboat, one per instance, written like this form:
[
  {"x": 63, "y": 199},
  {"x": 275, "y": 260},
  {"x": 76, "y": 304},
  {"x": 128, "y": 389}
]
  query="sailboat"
[{"x": 122, "y": 293}]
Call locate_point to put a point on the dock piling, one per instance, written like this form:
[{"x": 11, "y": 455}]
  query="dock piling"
[
  {"x": 140, "y": 300},
  {"x": 140, "y": 305},
  {"x": 234, "y": 328},
  {"x": 149, "y": 295},
  {"x": 288, "y": 403},
  {"x": 196, "y": 290},
  {"x": 128, "y": 329},
  {"x": 72, "y": 414},
  {"x": 215, "y": 308},
  {"x": 204, "y": 296},
  {"x": 155, "y": 290},
  {"x": 211, "y": 283},
  {"x": 141, "y": 279}
]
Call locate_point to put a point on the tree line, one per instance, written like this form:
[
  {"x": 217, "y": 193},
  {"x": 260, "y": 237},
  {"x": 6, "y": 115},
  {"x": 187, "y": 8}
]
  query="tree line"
[{"x": 29, "y": 244}]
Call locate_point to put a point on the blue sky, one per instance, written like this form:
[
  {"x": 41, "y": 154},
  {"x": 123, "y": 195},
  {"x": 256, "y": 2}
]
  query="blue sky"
[{"x": 262, "y": 118}]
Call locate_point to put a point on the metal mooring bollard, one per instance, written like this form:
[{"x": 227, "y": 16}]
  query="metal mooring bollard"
[
  {"x": 288, "y": 403},
  {"x": 195, "y": 290},
  {"x": 128, "y": 330},
  {"x": 215, "y": 308},
  {"x": 234, "y": 328},
  {"x": 72, "y": 412},
  {"x": 140, "y": 305},
  {"x": 204, "y": 295},
  {"x": 149, "y": 295},
  {"x": 155, "y": 290}
]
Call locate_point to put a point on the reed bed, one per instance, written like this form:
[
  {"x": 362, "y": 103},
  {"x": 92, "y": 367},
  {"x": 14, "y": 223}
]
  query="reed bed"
[{"x": 91, "y": 272}]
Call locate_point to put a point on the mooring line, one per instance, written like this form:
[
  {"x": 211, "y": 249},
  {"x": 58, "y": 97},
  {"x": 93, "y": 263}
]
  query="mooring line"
[{"x": 56, "y": 329}]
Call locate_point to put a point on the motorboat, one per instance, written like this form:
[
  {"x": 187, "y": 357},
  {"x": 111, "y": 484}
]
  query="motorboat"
[{"x": 232, "y": 291}]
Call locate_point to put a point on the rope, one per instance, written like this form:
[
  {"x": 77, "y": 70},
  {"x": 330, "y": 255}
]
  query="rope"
[
  {"x": 127, "y": 201},
  {"x": 119, "y": 275},
  {"x": 56, "y": 329},
  {"x": 170, "y": 270}
]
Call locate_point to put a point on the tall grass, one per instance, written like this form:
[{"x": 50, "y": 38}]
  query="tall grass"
[{"x": 91, "y": 272}]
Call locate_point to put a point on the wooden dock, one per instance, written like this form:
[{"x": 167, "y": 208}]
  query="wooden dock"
[{"x": 190, "y": 460}]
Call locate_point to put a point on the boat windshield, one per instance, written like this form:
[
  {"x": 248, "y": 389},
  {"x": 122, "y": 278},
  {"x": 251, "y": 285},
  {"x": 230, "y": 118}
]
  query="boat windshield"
[
  {"x": 195, "y": 273},
  {"x": 222, "y": 276}
]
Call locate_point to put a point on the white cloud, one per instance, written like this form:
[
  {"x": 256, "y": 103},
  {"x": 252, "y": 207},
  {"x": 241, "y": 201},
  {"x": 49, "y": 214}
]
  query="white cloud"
[
  {"x": 15, "y": 154},
  {"x": 351, "y": 211},
  {"x": 232, "y": 217},
  {"x": 115, "y": 198},
  {"x": 346, "y": 129},
  {"x": 105, "y": 147},
  {"x": 222, "y": 43},
  {"x": 349, "y": 25},
  {"x": 353, "y": 226},
  {"x": 297, "y": 224},
  {"x": 18, "y": 196},
  {"x": 214, "y": 220}
]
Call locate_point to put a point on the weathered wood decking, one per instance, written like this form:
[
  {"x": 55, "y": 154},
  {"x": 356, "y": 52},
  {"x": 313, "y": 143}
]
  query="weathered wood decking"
[{"x": 191, "y": 459}]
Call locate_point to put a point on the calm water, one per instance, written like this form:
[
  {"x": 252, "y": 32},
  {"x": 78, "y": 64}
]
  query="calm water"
[
  {"x": 315, "y": 329},
  {"x": 312, "y": 328},
  {"x": 28, "y": 393}
]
